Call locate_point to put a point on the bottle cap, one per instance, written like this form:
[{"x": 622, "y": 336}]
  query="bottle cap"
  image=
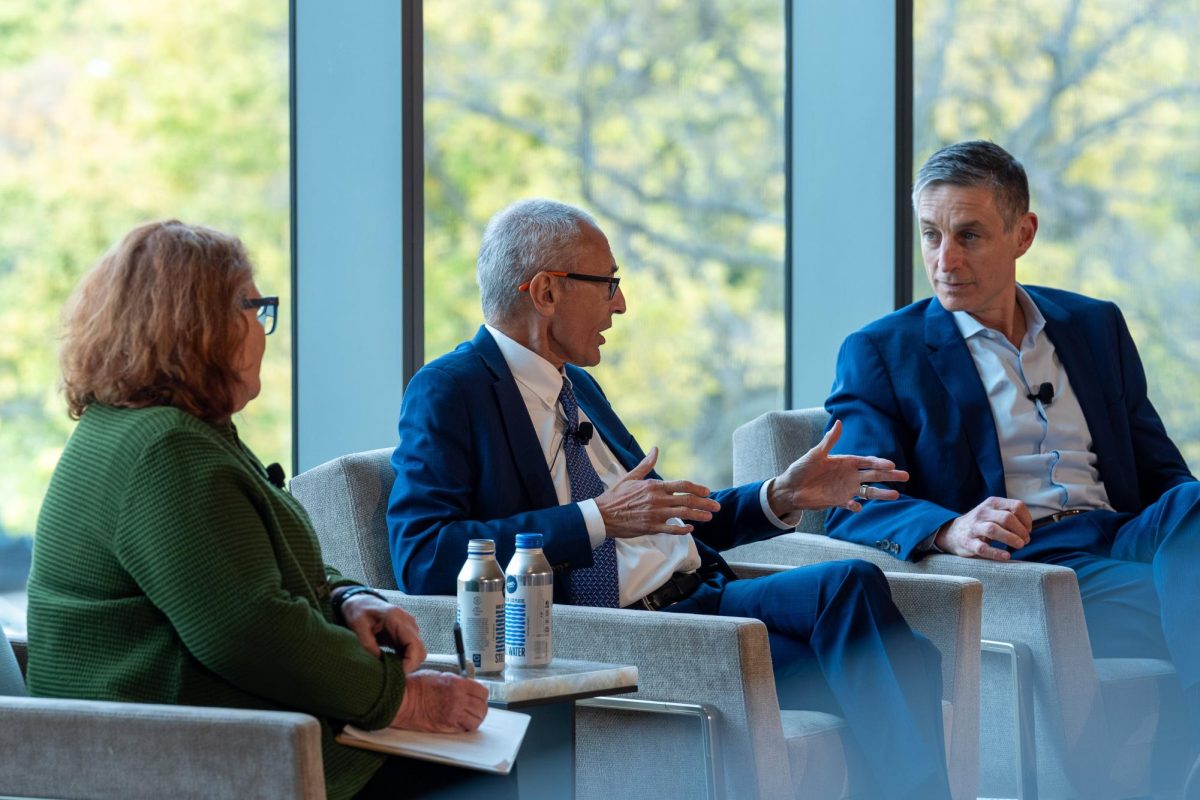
[
  {"x": 529, "y": 541},
  {"x": 481, "y": 546}
]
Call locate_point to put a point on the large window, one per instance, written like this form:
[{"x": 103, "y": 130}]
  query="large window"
[
  {"x": 1100, "y": 99},
  {"x": 665, "y": 121},
  {"x": 113, "y": 113}
]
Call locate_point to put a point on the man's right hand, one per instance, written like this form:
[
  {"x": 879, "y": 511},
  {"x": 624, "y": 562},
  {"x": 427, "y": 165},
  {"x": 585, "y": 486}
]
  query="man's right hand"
[
  {"x": 441, "y": 702},
  {"x": 997, "y": 518},
  {"x": 635, "y": 506}
]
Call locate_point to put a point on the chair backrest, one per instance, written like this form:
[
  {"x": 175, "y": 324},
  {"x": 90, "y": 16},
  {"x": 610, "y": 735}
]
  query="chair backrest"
[
  {"x": 764, "y": 446},
  {"x": 347, "y": 498},
  {"x": 12, "y": 682}
]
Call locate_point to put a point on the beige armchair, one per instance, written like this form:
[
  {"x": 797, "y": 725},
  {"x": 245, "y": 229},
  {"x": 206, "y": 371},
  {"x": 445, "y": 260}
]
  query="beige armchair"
[
  {"x": 749, "y": 748},
  {"x": 85, "y": 748},
  {"x": 1100, "y": 727}
]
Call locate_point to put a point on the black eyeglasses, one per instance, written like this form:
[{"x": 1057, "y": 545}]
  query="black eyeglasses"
[
  {"x": 268, "y": 308},
  {"x": 612, "y": 282}
]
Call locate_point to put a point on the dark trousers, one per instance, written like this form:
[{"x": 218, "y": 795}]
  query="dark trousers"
[
  {"x": 1139, "y": 577},
  {"x": 839, "y": 644},
  {"x": 409, "y": 778}
]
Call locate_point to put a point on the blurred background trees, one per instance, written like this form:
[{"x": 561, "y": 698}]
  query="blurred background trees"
[{"x": 665, "y": 120}]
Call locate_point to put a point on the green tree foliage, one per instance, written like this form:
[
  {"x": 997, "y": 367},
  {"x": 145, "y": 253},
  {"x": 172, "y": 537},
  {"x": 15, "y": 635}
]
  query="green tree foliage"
[
  {"x": 1101, "y": 101},
  {"x": 664, "y": 120},
  {"x": 113, "y": 113}
]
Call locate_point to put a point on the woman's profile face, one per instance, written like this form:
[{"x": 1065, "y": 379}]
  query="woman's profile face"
[{"x": 250, "y": 356}]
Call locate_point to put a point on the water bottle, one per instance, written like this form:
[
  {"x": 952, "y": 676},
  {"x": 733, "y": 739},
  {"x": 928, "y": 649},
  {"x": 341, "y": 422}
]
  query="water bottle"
[
  {"x": 529, "y": 599},
  {"x": 480, "y": 611}
]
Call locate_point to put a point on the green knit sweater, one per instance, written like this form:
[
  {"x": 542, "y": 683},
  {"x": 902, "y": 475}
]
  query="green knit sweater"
[{"x": 167, "y": 569}]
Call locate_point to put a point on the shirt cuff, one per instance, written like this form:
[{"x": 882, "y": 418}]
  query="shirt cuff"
[
  {"x": 594, "y": 521},
  {"x": 769, "y": 514},
  {"x": 926, "y": 545}
]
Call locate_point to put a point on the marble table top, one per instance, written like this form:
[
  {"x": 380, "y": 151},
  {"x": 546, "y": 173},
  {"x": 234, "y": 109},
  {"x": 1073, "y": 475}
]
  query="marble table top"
[{"x": 563, "y": 679}]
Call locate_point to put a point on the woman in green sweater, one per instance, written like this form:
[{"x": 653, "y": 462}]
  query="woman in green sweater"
[{"x": 168, "y": 568}]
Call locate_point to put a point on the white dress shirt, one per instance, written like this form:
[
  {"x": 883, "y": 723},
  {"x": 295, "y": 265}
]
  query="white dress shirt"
[
  {"x": 644, "y": 563},
  {"x": 1046, "y": 449}
]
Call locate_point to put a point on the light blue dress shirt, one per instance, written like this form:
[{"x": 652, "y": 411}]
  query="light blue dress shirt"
[{"x": 1046, "y": 448}]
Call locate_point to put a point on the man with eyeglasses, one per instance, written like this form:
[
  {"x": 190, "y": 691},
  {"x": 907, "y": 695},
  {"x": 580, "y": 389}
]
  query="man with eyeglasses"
[{"x": 509, "y": 434}]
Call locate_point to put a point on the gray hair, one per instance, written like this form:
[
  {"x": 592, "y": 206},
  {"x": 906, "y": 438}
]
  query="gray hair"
[
  {"x": 979, "y": 163},
  {"x": 526, "y": 238}
]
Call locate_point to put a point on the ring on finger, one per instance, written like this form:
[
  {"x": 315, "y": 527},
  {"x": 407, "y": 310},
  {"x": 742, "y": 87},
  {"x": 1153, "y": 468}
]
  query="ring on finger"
[{"x": 864, "y": 491}]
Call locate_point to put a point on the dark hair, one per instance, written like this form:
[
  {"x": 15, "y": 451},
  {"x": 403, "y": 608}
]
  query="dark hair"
[
  {"x": 979, "y": 163},
  {"x": 158, "y": 322}
]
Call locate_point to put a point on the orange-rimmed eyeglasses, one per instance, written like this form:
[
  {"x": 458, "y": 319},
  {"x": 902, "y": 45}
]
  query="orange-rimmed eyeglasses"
[{"x": 612, "y": 282}]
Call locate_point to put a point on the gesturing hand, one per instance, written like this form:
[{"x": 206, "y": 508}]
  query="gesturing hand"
[
  {"x": 375, "y": 621},
  {"x": 819, "y": 480},
  {"x": 635, "y": 506},
  {"x": 997, "y": 518},
  {"x": 440, "y": 702}
]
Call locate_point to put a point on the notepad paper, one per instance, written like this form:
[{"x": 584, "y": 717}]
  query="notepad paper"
[{"x": 491, "y": 748}]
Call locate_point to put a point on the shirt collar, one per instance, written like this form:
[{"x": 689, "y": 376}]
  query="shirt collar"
[
  {"x": 968, "y": 326},
  {"x": 531, "y": 370}
]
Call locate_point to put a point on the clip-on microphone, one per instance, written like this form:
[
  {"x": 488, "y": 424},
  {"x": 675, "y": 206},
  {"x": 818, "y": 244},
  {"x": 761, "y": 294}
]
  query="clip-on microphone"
[
  {"x": 583, "y": 433},
  {"x": 275, "y": 475},
  {"x": 1043, "y": 395}
]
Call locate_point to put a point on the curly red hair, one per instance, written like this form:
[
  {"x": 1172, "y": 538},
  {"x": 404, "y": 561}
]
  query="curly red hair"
[{"x": 159, "y": 322}]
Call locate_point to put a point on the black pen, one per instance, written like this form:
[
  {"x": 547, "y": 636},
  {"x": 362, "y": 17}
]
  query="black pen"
[{"x": 464, "y": 669}]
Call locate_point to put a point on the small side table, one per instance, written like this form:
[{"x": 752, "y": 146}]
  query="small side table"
[{"x": 546, "y": 764}]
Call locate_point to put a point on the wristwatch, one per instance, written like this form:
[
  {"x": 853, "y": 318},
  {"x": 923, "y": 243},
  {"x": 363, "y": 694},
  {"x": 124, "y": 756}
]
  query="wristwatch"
[{"x": 341, "y": 597}]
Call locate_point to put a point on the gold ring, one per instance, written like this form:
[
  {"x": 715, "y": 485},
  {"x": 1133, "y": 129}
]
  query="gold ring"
[{"x": 864, "y": 491}]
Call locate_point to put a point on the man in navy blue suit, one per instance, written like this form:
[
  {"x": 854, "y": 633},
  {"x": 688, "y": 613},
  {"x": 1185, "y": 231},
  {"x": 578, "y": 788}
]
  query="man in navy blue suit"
[
  {"x": 1022, "y": 414},
  {"x": 508, "y": 433}
]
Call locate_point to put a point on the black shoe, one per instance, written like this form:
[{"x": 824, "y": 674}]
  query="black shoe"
[{"x": 1191, "y": 787}]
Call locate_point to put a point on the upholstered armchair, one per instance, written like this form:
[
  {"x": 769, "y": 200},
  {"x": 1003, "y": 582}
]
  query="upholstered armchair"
[
  {"x": 748, "y": 747},
  {"x": 125, "y": 751},
  {"x": 1092, "y": 728}
]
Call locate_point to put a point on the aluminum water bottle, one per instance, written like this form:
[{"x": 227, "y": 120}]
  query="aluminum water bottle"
[
  {"x": 480, "y": 611},
  {"x": 529, "y": 600}
]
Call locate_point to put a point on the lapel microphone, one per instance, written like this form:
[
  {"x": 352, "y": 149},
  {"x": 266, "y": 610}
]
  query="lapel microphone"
[
  {"x": 1043, "y": 395},
  {"x": 275, "y": 475},
  {"x": 583, "y": 433}
]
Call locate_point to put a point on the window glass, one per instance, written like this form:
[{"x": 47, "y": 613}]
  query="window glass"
[
  {"x": 1099, "y": 99},
  {"x": 113, "y": 113},
  {"x": 665, "y": 121}
]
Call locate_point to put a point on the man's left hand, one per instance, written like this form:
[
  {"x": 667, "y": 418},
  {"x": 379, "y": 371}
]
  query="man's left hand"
[
  {"x": 819, "y": 480},
  {"x": 376, "y": 622}
]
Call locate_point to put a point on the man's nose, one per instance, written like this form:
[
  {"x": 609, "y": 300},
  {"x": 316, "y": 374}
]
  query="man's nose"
[
  {"x": 950, "y": 255},
  {"x": 618, "y": 302}
]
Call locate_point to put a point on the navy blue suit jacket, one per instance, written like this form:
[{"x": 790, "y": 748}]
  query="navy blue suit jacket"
[
  {"x": 907, "y": 389},
  {"x": 469, "y": 466}
]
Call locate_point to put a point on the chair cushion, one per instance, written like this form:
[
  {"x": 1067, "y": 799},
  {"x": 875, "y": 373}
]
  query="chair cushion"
[
  {"x": 822, "y": 758},
  {"x": 1147, "y": 717}
]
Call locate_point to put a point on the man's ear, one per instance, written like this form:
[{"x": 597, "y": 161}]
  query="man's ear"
[
  {"x": 1026, "y": 231},
  {"x": 543, "y": 293}
]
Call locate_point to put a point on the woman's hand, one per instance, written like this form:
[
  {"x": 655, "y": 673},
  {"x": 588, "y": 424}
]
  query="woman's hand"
[
  {"x": 441, "y": 702},
  {"x": 376, "y": 622}
]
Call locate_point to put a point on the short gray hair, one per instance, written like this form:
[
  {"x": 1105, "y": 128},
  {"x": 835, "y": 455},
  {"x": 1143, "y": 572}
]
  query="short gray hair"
[
  {"x": 526, "y": 238},
  {"x": 979, "y": 163}
]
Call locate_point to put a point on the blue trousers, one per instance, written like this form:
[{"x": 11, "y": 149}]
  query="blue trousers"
[
  {"x": 1139, "y": 577},
  {"x": 839, "y": 644}
]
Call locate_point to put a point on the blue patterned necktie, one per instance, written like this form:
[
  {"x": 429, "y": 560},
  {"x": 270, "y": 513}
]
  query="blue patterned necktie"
[{"x": 595, "y": 585}]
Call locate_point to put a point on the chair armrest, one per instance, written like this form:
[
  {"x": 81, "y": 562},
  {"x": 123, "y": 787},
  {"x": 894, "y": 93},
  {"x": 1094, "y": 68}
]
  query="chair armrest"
[
  {"x": 945, "y": 609},
  {"x": 87, "y": 748},
  {"x": 721, "y": 662}
]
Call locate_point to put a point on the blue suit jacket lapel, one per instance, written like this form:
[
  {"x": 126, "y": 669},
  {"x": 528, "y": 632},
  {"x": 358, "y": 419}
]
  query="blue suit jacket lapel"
[
  {"x": 605, "y": 421},
  {"x": 1077, "y": 359},
  {"x": 951, "y": 360},
  {"x": 528, "y": 458}
]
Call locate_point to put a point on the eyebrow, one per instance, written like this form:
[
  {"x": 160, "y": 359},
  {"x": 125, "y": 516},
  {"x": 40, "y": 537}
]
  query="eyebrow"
[{"x": 970, "y": 223}]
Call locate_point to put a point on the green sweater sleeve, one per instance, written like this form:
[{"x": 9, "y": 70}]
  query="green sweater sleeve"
[{"x": 241, "y": 582}]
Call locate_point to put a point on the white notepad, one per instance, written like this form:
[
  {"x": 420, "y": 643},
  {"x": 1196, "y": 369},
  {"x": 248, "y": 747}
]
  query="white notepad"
[{"x": 491, "y": 748}]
